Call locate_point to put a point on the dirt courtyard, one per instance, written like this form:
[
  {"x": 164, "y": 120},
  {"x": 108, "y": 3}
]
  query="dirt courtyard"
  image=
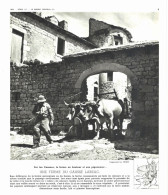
[{"x": 75, "y": 149}]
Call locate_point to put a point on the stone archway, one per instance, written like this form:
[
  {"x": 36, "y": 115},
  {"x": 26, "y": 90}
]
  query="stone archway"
[{"x": 106, "y": 66}]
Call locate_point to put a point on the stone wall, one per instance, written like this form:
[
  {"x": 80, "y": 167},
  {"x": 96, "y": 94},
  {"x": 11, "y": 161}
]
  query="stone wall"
[
  {"x": 60, "y": 81},
  {"x": 40, "y": 40},
  {"x": 30, "y": 82}
]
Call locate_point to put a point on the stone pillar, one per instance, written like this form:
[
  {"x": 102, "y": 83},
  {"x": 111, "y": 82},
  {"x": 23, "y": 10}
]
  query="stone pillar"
[
  {"x": 102, "y": 78},
  {"x": 105, "y": 87}
]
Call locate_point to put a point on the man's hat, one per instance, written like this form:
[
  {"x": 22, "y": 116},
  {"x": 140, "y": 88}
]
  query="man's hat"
[{"x": 41, "y": 98}]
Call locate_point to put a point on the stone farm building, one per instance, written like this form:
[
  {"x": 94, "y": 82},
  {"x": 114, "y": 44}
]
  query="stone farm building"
[{"x": 48, "y": 59}]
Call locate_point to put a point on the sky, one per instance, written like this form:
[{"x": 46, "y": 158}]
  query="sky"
[{"x": 144, "y": 26}]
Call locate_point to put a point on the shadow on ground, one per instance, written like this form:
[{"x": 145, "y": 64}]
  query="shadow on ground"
[
  {"x": 22, "y": 145},
  {"x": 121, "y": 143}
]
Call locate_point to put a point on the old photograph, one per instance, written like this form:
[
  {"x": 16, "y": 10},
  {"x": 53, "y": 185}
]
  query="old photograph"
[{"x": 84, "y": 85}]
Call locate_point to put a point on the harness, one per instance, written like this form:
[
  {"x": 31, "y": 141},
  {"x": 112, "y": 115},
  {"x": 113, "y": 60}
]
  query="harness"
[{"x": 80, "y": 116}]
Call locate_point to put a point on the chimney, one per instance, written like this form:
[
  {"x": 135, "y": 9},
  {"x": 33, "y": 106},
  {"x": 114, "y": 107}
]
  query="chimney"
[
  {"x": 52, "y": 19},
  {"x": 63, "y": 24},
  {"x": 38, "y": 13}
]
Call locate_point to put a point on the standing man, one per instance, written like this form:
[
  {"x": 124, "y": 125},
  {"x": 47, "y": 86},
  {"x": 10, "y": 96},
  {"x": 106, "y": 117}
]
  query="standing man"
[{"x": 44, "y": 119}]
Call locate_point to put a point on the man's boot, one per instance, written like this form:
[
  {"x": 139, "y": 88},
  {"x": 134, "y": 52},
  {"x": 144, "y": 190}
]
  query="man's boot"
[{"x": 36, "y": 145}]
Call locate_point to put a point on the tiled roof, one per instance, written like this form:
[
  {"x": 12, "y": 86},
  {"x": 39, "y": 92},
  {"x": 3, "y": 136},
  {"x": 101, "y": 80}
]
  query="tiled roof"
[{"x": 113, "y": 48}]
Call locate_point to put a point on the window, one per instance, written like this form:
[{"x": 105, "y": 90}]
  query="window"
[
  {"x": 17, "y": 46},
  {"x": 118, "y": 40},
  {"x": 61, "y": 46},
  {"x": 15, "y": 96},
  {"x": 110, "y": 76}
]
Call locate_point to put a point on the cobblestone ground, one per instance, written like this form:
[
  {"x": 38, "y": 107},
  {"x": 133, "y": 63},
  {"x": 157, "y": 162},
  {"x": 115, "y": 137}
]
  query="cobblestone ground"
[{"x": 73, "y": 149}]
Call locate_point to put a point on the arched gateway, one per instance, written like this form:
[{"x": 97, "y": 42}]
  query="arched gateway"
[{"x": 106, "y": 66}]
